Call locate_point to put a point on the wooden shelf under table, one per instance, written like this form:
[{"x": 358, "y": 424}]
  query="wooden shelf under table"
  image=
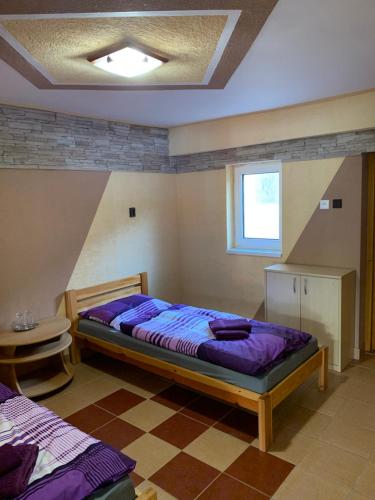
[
  {"x": 43, "y": 381},
  {"x": 35, "y": 352},
  {"x": 48, "y": 341}
]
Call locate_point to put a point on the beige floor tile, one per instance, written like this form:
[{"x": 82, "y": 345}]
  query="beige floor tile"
[
  {"x": 216, "y": 448},
  {"x": 285, "y": 406},
  {"x": 151, "y": 453},
  {"x": 116, "y": 368},
  {"x": 67, "y": 401},
  {"x": 361, "y": 373},
  {"x": 153, "y": 384},
  {"x": 87, "y": 368},
  {"x": 335, "y": 379},
  {"x": 353, "y": 495},
  {"x": 145, "y": 387},
  {"x": 365, "y": 484},
  {"x": 331, "y": 463},
  {"x": 303, "y": 485},
  {"x": 358, "y": 390},
  {"x": 363, "y": 414},
  {"x": 82, "y": 375},
  {"x": 162, "y": 494},
  {"x": 147, "y": 415},
  {"x": 97, "y": 389},
  {"x": 327, "y": 402},
  {"x": 368, "y": 362},
  {"x": 291, "y": 445},
  {"x": 304, "y": 420},
  {"x": 64, "y": 405},
  {"x": 350, "y": 437}
]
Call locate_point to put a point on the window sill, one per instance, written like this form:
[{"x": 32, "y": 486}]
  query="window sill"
[{"x": 255, "y": 253}]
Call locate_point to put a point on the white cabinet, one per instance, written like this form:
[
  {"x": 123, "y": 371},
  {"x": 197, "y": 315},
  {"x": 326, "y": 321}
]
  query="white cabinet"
[
  {"x": 283, "y": 292},
  {"x": 317, "y": 300}
]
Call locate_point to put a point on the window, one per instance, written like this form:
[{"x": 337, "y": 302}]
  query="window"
[{"x": 254, "y": 215}]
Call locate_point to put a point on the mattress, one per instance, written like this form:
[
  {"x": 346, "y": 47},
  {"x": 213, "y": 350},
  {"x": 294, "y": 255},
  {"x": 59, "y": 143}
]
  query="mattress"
[
  {"x": 122, "y": 490},
  {"x": 260, "y": 383}
]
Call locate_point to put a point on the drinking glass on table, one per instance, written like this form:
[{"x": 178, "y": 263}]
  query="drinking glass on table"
[{"x": 28, "y": 319}]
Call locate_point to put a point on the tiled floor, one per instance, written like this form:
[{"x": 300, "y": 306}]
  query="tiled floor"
[{"x": 188, "y": 446}]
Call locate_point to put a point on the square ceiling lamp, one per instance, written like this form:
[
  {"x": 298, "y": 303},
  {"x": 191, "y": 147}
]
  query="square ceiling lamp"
[{"x": 128, "y": 62}]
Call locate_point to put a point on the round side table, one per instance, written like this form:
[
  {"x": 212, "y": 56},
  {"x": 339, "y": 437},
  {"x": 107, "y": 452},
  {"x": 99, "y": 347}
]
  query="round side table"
[{"x": 48, "y": 340}]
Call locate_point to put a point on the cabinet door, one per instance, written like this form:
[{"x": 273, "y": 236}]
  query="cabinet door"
[
  {"x": 283, "y": 299},
  {"x": 320, "y": 312}
]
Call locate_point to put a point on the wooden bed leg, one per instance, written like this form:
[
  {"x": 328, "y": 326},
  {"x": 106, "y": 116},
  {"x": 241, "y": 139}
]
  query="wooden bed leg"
[
  {"x": 323, "y": 370},
  {"x": 265, "y": 423},
  {"x": 75, "y": 352}
]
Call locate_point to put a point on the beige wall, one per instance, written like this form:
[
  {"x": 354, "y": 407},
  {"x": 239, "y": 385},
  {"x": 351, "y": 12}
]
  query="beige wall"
[
  {"x": 72, "y": 229},
  {"x": 210, "y": 277},
  {"x": 118, "y": 246},
  {"x": 342, "y": 114},
  {"x": 45, "y": 217},
  {"x": 63, "y": 229},
  {"x": 333, "y": 237}
]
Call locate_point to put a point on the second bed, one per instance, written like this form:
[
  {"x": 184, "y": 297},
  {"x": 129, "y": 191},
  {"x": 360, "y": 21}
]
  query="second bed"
[{"x": 259, "y": 393}]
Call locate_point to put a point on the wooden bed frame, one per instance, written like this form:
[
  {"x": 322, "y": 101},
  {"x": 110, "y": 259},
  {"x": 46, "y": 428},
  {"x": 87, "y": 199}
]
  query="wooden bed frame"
[{"x": 261, "y": 404}]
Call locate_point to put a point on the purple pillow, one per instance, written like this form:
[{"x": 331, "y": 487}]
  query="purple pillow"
[{"x": 107, "y": 312}]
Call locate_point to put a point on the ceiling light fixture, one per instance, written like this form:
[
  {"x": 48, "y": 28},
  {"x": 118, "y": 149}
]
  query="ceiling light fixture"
[{"x": 128, "y": 62}]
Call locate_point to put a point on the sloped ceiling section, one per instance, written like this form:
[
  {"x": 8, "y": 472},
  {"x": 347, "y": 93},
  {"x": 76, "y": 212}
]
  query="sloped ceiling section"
[{"x": 50, "y": 46}]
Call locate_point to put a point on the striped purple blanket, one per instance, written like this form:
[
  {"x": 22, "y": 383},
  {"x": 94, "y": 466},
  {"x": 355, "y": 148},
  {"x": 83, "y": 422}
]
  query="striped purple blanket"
[
  {"x": 70, "y": 463},
  {"x": 185, "y": 329}
]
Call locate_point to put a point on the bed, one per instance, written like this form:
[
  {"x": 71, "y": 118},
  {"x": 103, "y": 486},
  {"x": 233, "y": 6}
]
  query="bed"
[
  {"x": 256, "y": 394},
  {"x": 69, "y": 463}
]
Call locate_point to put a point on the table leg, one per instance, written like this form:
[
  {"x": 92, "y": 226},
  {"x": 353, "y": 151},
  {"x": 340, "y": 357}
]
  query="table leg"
[{"x": 66, "y": 366}]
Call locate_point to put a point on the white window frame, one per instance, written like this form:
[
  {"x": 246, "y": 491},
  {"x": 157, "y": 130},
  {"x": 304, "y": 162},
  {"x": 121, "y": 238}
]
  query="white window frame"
[{"x": 237, "y": 243}]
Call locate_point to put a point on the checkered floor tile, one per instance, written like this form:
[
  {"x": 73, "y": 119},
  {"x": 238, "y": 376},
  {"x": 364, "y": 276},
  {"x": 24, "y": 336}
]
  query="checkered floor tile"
[{"x": 187, "y": 446}]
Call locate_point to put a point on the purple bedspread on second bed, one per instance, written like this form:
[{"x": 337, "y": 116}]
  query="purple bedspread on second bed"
[
  {"x": 266, "y": 345},
  {"x": 185, "y": 329}
]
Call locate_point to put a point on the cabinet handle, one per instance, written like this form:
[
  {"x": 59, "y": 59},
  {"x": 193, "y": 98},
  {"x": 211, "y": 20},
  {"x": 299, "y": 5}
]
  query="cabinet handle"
[
  {"x": 305, "y": 285},
  {"x": 294, "y": 285}
]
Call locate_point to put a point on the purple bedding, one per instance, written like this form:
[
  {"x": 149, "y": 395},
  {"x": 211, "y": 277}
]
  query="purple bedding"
[
  {"x": 185, "y": 329},
  {"x": 70, "y": 464}
]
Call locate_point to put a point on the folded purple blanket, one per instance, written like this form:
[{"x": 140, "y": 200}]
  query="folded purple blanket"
[
  {"x": 9, "y": 459},
  {"x": 15, "y": 481},
  {"x": 230, "y": 324},
  {"x": 231, "y": 334}
]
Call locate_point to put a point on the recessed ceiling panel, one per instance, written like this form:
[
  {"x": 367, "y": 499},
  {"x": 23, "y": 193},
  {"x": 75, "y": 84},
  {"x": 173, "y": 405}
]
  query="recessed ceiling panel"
[
  {"x": 203, "y": 47},
  {"x": 62, "y": 46}
]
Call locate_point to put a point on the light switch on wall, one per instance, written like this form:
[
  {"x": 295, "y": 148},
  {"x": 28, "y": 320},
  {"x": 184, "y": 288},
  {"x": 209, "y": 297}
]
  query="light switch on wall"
[{"x": 324, "y": 204}]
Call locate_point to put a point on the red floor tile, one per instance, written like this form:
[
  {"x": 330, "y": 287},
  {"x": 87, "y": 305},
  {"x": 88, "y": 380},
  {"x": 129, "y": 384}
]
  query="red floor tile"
[
  {"x": 120, "y": 401},
  {"x": 179, "y": 430},
  {"x": 136, "y": 479},
  {"x": 90, "y": 418},
  {"x": 184, "y": 477},
  {"x": 240, "y": 424},
  {"x": 175, "y": 397},
  {"x": 118, "y": 433},
  {"x": 260, "y": 470},
  {"x": 225, "y": 488},
  {"x": 206, "y": 410}
]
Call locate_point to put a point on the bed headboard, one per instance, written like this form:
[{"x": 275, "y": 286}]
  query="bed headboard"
[{"x": 79, "y": 300}]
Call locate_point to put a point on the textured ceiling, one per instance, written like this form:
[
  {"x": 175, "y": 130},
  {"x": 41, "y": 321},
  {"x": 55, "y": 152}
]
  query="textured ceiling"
[
  {"x": 46, "y": 42},
  {"x": 62, "y": 46},
  {"x": 306, "y": 50}
]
